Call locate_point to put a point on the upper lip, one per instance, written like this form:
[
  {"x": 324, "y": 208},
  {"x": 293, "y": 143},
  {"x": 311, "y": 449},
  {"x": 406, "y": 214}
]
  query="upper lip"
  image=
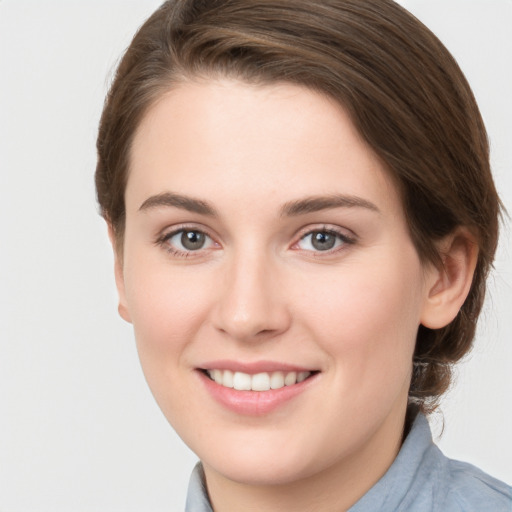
[{"x": 254, "y": 367}]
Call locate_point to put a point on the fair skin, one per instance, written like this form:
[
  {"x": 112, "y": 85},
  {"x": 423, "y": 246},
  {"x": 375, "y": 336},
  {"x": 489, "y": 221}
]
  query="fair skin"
[{"x": 231, "y": 262}]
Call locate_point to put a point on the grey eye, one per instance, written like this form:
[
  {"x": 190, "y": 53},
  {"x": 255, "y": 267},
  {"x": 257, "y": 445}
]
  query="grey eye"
[
  {"x": 192, "y": 240},
  {"x": 321, "y": 241},
  {"x": 188, "y": 240}
]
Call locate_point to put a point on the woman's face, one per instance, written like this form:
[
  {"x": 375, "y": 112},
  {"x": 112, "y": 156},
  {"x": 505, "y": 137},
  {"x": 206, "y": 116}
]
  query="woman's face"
[{"x": 266, "y": 244}]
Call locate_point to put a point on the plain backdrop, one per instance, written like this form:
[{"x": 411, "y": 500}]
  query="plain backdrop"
[{"x": 79, "y": 430}]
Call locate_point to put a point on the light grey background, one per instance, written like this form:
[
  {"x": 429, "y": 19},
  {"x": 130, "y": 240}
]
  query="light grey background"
[{"x": 79, "y": 430}]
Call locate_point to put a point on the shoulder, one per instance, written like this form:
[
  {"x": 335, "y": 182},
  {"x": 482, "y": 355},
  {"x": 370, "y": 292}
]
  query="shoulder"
[
  {"x": 423, "y": 479},
  {"x": 453, "y": 486},
  {"x": 472, "y": 490}
]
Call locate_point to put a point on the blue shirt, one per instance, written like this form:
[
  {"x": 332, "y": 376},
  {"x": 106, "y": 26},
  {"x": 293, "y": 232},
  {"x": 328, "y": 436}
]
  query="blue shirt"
[{"x": 421, "y": 479}]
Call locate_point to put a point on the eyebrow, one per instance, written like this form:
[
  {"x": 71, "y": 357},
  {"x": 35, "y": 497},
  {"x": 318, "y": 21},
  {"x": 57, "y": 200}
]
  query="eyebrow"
[
  {"x": 290, "y": 209},
  {"x": 319, "y": 203},
  {"x": 190, "y": 204}
]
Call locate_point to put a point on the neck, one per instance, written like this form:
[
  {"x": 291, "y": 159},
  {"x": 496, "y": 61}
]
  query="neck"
[{"x": 334, "y": 489}]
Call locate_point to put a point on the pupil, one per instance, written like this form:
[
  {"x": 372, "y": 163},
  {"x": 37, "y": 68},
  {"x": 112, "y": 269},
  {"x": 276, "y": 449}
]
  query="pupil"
[
  {"x": 323, "y": 241},
  {"x": 192, "y": 240}
]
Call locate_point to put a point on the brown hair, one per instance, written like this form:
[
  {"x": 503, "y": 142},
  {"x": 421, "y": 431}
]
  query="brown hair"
[{"x": 403, "y": 90}]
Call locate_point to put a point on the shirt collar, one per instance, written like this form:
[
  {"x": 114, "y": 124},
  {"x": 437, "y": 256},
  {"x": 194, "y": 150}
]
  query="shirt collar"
[
  {"x": 197, "y": 496},
  {"x": 409, "y": 470}
]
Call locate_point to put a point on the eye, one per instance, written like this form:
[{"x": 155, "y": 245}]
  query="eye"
[
  {"x": 323, "y": 240},
  {"x": 185, "y": 241}
]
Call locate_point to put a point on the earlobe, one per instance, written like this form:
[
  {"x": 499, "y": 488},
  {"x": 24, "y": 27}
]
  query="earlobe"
[
  {"x": 449, "y": 285},
  {"x": 119, "y": 276}
]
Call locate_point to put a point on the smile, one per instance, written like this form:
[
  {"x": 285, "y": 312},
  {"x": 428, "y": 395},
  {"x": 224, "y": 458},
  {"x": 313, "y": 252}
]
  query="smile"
[
  {"x": 264, "y": 381},
  {"x": 256, "y": 388}
]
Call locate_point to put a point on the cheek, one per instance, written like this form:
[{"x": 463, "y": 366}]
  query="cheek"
[
  {"x": 167, "y": 313},
  {"x": 167, "y": 310},
  {"x": 367, "y": 318}
]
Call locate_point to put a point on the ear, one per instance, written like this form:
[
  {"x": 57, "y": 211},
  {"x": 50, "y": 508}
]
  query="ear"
[
  {"x": 449, "y": 285},
  {"x": 119, "y": 275}
]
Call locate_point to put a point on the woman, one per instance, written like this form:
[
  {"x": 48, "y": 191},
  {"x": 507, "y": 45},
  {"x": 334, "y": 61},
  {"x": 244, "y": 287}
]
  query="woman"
[{"x": 303, "y": 217}]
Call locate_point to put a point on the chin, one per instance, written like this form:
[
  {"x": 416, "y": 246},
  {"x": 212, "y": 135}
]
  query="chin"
[
  {"x": 258, "y": 472},
  {"x": 276, "y": 461}
]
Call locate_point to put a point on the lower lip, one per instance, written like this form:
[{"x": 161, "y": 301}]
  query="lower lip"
[{"x": 254, "y": 403}]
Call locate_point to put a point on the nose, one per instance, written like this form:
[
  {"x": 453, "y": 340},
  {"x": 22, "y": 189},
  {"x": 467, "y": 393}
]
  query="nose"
[{"x": 252, "y": 302}]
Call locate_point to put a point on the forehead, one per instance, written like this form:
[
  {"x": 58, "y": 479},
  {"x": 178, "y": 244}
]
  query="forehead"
[{"x": 231, "y": 140}]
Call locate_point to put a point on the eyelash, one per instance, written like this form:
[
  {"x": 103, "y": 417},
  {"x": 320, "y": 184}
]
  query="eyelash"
[
  {"x": 342, "y": 239},
  {"x": 163, "y": 241}
]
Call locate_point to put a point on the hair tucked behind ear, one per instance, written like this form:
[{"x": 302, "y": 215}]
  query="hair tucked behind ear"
[{"x": 405, "y": 94}]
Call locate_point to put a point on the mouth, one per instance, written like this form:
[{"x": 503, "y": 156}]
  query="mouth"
[
  {"x": 262, "y": 381},
  {"x": 255, "y": 389}
]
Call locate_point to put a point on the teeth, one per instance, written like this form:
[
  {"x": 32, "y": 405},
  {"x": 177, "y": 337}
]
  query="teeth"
[
  {"x": 258, "y": 382},
  {"x": 227, "y": 378},
  {"x": 302, "y": 376},
  {"x": 242, "y": 381},
  {"x": 290, "y": 379},
  {"x": 217, "y": 376},
  {"x": 277, "y": 380}
]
